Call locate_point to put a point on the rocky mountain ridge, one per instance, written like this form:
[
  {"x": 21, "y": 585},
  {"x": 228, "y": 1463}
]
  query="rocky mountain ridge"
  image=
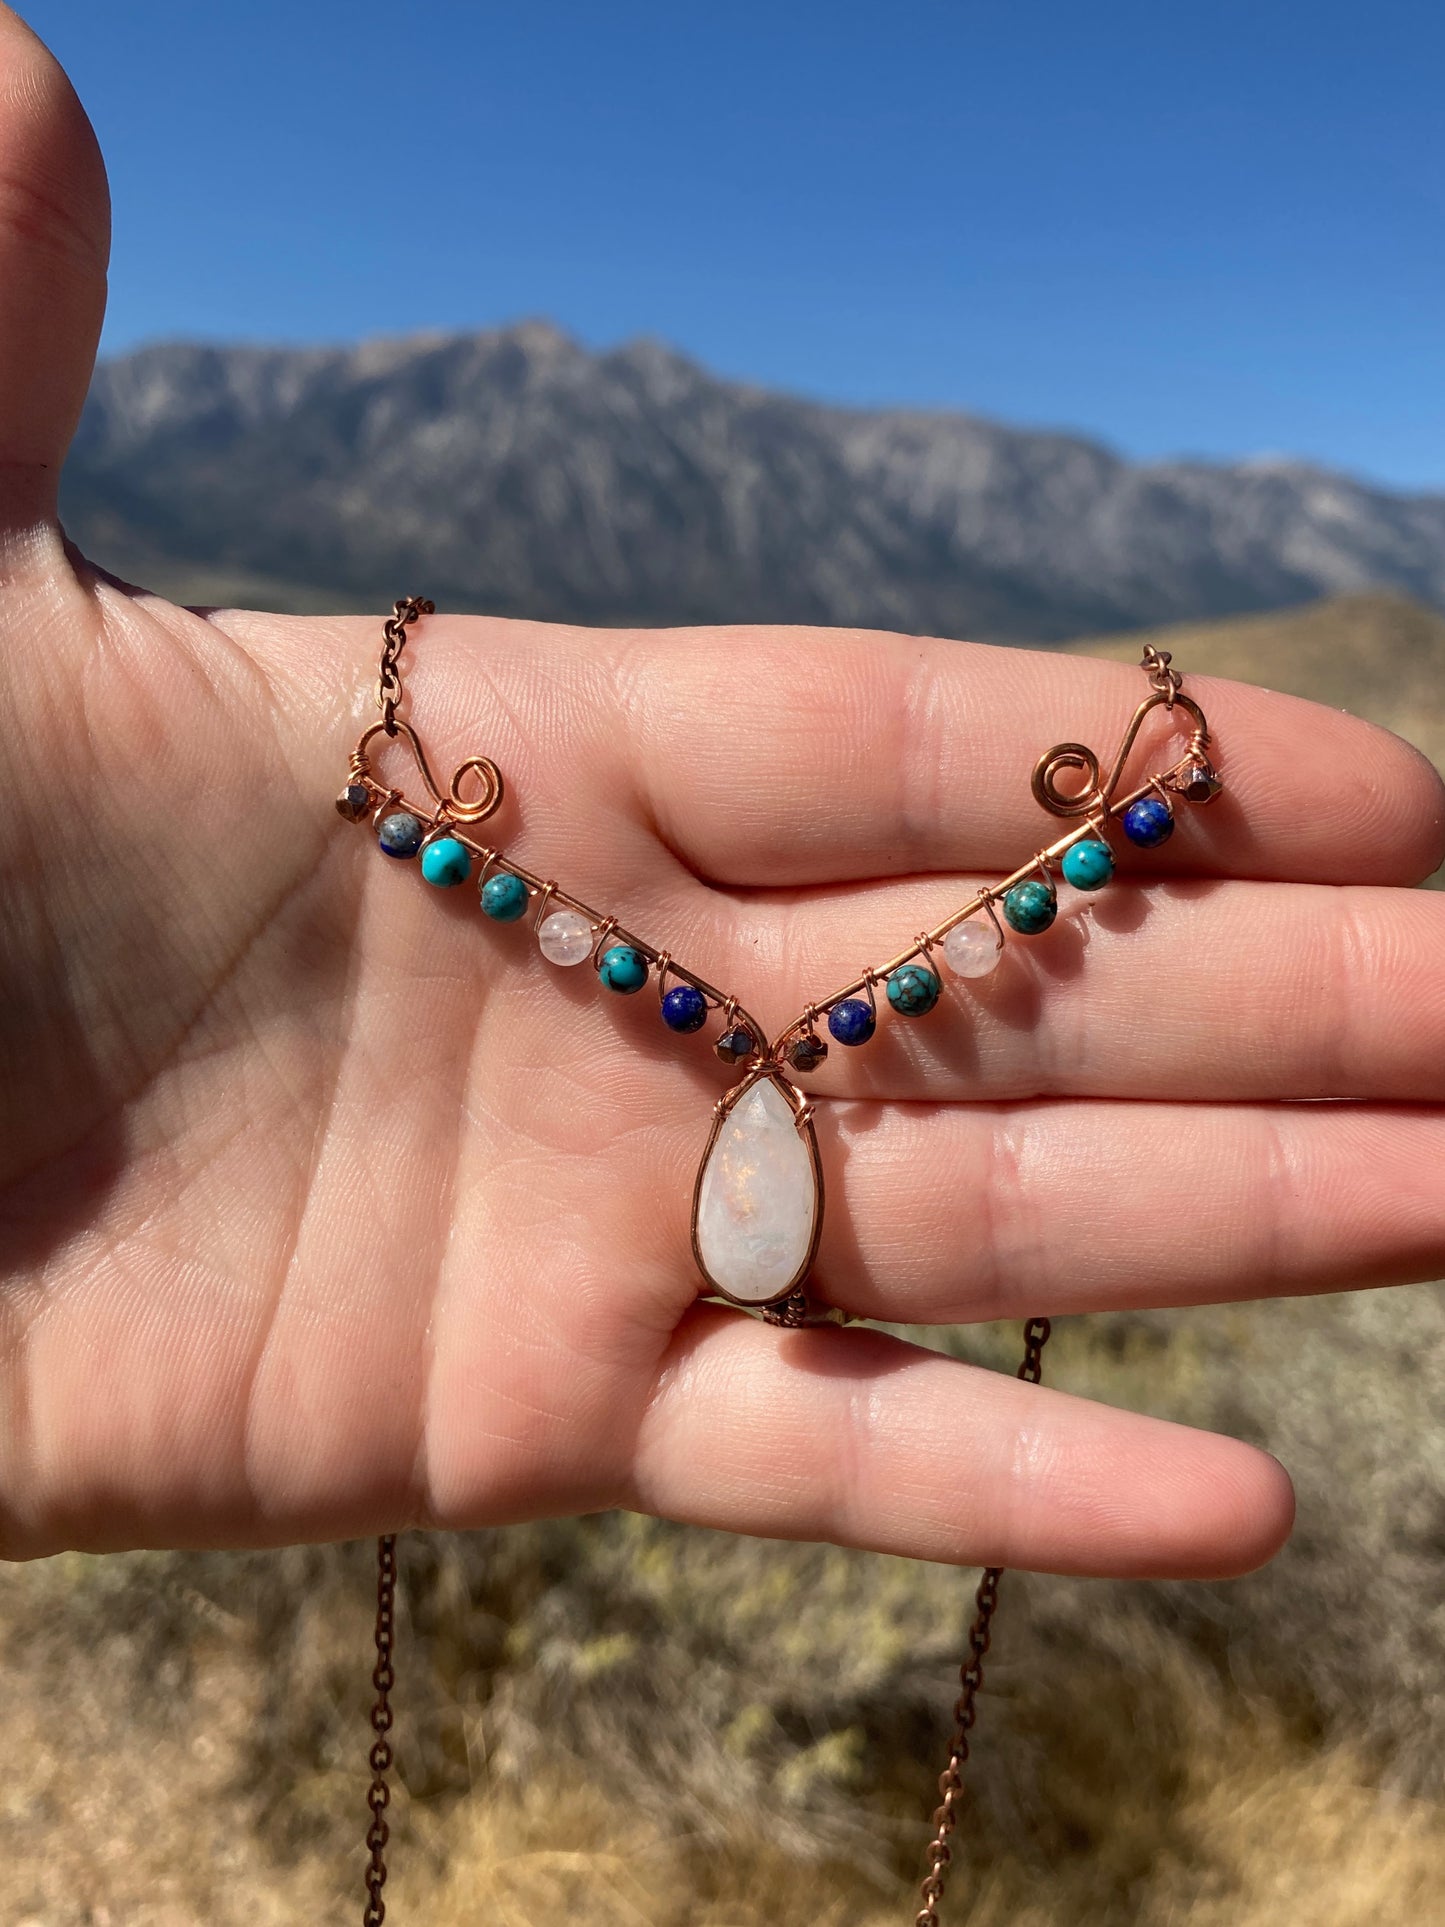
[{"x": 516, "y": 471}]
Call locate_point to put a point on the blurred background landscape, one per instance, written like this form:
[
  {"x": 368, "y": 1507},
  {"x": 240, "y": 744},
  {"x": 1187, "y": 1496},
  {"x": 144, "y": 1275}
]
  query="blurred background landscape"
[{"x": 923, "y": 246}]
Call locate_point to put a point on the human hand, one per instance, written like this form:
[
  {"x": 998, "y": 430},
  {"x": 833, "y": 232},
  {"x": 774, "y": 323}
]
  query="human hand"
[{"x": 329, "y": 1208}]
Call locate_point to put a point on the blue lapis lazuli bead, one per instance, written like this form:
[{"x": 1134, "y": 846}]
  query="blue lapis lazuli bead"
[
  {"x": 1088, "y": 865},
  {"x": 504, "y": 897},
  {"x": 446, "y": 862},
  {"x": 853, "y": 1021},
  {"x": 1148, "y": 821},
  {"x": 913, "y": 990},
  {"x": 400, "y": 833},
  {"x": 623, "y": 969},
  {"x": 1030, "y": 906},
  {"x": 684, "y": 1008}
]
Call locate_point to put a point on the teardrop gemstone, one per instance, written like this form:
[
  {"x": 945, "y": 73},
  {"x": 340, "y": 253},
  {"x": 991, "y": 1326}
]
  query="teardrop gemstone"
[{"x": 759, "y": 1198}]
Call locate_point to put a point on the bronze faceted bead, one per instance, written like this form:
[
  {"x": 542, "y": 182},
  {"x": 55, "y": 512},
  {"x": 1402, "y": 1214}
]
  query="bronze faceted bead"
[
  {"x": 736, "y": 1044},
  {"x": 807, "y": 1053},
  {"x": 354, "y": 802}
]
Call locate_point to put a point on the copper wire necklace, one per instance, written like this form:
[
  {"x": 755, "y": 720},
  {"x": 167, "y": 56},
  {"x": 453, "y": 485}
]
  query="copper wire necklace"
[{"x": 757, "y": 1210}]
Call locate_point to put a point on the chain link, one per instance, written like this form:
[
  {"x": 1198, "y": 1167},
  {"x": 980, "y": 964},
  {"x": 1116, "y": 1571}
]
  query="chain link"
[
  {"x": 1155, "y": 664},
  {"x": 383, "y": 1679},
  {"x": 405, "y": 609},
  {"x": 965, "y": 1712}
]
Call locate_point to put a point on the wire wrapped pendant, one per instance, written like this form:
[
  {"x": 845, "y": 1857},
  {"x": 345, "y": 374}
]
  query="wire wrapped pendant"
[{"x": 757, "y": 1207}]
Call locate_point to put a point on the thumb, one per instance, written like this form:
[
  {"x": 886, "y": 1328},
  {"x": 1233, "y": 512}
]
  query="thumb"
[{"x": 54, "y": 244}]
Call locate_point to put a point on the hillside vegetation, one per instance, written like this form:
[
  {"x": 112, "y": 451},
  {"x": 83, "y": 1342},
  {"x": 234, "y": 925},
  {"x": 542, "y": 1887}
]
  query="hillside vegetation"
[{"x": 617, "y": 1723}]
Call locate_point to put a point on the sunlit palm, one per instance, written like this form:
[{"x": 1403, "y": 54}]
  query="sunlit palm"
[{"x": 329, "y": 1206}]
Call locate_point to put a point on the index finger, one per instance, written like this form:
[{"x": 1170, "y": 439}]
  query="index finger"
[{"x": 808, "y": 756}]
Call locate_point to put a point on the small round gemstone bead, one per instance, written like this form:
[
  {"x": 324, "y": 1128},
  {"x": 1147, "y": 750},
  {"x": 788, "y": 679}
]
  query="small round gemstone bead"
[
  {"x": 1088, "y": 865},
  {"x": 1148, "y": 821},
  {"x": 504, "y": 897},
  {"x": 913, "y": 990},
  {"x": 353, "y": 802},
  {"x": 684, "y": 1008},
  {"x": 446, "y": 862},
  {"x": 565, "y": 938},
  {"x": 623, "y": 969},
  {"x": 852, "y": 1021},
  {"x": 1030, "y": 907},
  {"x": 972, "y": 949},
  {"x": 736, "y": 1044},
  {"x": 400, "y": 833},
  {"x": 807, "y": 1053}
]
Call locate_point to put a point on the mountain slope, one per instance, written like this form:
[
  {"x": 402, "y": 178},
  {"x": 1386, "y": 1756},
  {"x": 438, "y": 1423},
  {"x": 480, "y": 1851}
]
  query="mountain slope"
[{"x": 516, "y": 472}]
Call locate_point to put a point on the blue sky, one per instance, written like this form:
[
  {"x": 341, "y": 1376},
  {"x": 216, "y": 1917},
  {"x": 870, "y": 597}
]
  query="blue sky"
[{"x": 1210, "y": 228}]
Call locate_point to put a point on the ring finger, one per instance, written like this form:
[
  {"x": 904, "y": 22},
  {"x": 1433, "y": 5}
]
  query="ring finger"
[
  {"x": 1221, "y": 991},
  {"x": 948, "y": 1213}
]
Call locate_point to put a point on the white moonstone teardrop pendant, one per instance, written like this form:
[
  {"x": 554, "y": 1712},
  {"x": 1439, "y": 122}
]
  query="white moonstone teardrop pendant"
[{"x": 759, "y": 1199}]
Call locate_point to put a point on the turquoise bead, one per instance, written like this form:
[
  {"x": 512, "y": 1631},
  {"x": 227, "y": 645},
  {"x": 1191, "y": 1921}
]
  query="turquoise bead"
[
  {"x": 1088, "y": 865},
  {"x": 1030, "y": 907},
  {"x": 913, "y": 990},
  {"x": 623, "y": 969},
  {"x": 504, "y": 897},
  {"x": 446, "y": 862}
]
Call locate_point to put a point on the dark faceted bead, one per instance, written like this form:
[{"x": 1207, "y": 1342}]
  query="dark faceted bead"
[
  {"x": 684, "y": 1008},
  {"x": 807, "y": 1053},
  {"x": 1149, "y": 821},
  {"x": 401, "y": 833},
  {"x": 853, "y": 1021},
  {"x": 354, "y": 802},
  {"x": 736, "y": 1044},
  {"x": 1200, "y": 784}
]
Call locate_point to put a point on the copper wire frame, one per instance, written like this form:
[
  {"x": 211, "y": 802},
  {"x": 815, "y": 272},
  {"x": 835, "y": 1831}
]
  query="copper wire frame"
[
  {"x": 1095, "y": 803},
  {"x": 451, "y": 814}
]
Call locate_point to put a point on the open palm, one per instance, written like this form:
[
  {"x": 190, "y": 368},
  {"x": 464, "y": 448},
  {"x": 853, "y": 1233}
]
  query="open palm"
[{"x": 327, "y": 1206}]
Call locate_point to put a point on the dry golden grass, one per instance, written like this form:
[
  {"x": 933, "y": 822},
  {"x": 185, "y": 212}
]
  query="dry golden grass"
[{"x": 133, "y": 1800}]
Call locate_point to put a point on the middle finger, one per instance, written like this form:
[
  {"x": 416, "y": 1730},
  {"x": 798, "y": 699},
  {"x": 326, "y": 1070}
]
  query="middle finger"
[{"x": 1188, "y": 990}]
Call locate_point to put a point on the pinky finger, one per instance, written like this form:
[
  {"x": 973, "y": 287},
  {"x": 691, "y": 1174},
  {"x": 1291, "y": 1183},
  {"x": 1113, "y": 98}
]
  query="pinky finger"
[{"x": 860, "y": 1439}]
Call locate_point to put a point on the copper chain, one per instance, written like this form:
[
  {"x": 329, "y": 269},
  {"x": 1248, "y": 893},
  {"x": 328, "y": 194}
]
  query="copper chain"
[
  {"x": 405, "y": 609},
  {"x": 950, "y": 1783},
  {"x": 378, "y": 1797}
]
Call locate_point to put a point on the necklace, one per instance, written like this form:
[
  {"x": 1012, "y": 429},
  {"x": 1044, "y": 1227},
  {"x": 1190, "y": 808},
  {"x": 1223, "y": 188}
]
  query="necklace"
[{"x": 757, "y": 1209}]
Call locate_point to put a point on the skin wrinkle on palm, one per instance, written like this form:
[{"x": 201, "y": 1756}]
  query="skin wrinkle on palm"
[{"x": 279, "y": 1102}]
